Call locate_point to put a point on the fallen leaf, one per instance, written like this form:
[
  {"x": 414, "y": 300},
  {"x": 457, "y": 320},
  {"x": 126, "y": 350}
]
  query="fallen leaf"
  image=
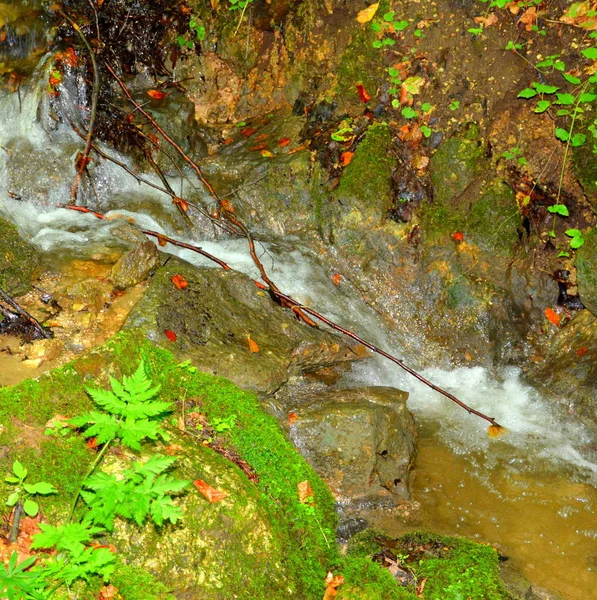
[
  {"x": 57, "y": 420},
  {"x": 180, "y": 282},
  {"x": 413, "y": 85},
  {"x": 258, "y": 147},
  {"x": 81, "y": 162},
  {"x": 457, "y": 236},
  {"x": 284, "y": 142},
  {"x": 421, "y": 587},
  {"x": 227, "y": 206},
  {"x": 368, "y": 13},
  {"x": 170, "y": 335},
  {"x": 332, "y": 583},
  {"x": 552, "y": 316},
  {"x": 495, "y": 430},
  {"x": 253, "y": 347},
  {"x": 182, "y": 204},
  {"x": 247, "y": 131},
  {"x": 173, "y": 449},
  {"x": 298, "y": 149},
  {"x": 266, "y": 153},
  {"x": 292, "y": 417},
  {"x": 91, "y": 443},
  {"x": 228, "y": 141},
  {"x": 420, "y": 162},
  {"x": 581, "y": 351},
  {"x": 336, "y": 278},
  {"x": 162, "y": 241},
  {"x": 528, "y": 18},
  {"x": 491, "y": 19},
  {"x": 156, "y": 94},
  {"x": 581, "y": 14},
  {"x": 305, "y": 492},
  {"x": 411, "y": 133},
  {"x": 260, "y": 285},
  {"x": 209, "y": 492},
  {"x": 345, "y": 158},
  {"x": 109, "y": 592},
  {"x": 363, "y": 93}
]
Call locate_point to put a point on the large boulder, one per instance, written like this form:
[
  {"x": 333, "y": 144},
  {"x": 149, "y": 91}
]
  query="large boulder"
[
  {"x": 360, "y": 441},
  {"x": 226, "y": 326}
]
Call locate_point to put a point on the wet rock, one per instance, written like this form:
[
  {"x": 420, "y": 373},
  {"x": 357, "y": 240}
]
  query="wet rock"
[
  {"x": 212, "y": 320},
  {"x": 586, "y": 268},
  {"x": 360, "y": 442},
  {"x": 520, "y": 588},
  {"x": 135, "y": 266},
  {"x": 18, "y": 260}
]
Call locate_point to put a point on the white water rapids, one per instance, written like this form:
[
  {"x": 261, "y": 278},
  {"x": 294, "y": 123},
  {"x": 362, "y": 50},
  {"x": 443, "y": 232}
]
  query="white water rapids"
[{"x": 543, "y": 446}]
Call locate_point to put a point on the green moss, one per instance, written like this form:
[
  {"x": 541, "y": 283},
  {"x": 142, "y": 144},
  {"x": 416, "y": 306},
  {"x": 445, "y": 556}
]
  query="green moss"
[
  {"x": 366, "y": 182},
  {"x": 586, "y": 269},
  {"x": 18, "y": 260},
  {"x": 455, "y": 568}
]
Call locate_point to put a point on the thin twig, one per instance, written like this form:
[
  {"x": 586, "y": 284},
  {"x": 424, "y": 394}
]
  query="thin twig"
[{"x": 43, "y": 332}]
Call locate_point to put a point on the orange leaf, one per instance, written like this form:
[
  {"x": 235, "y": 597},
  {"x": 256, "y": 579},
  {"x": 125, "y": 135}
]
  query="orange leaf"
[
  {"x": 173, "y": 449},
  {"x": 91, "y": 443},
  {"x": 258, "y": 147},
  {"x": 209, "y": 492},
  {"x": 266, "y": 153},
  {"x": 228, "y": 141},
  {"x": 298, "y": 149},
  {"x": 253, "y": 347},
  {"x": 182, "y": 204},
  {"x": 345, "y": 158},
  {"x": 156, "y": 94},
  {"x": 109, "y": 592},
  {"x": 227, "y": 206},
  {"x": 247, "y": 131},
  {"x": 305, "y": 492},
  {"x": 261, "y": 137},
  {"x": 363, "y": 93},
  {"x": 180, "y": 282},
  {"x": 495, "y": 430},
  {"x": 457, "y": 236},
  {"x": 170, "y": 335},
  {"x": 284, "y": 142},
  {"x": 292, "y": 417},
  {"x": 552, "y": 316},
  {"x": 162, "y": 241},
  {"x": 336, "y": 278},
  {"x": 332, "y": 583},
  {"x": 260, "y": 285}
]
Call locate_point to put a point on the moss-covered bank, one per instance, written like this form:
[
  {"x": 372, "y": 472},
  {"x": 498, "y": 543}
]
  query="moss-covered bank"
[{"x": 301, "y": 537}]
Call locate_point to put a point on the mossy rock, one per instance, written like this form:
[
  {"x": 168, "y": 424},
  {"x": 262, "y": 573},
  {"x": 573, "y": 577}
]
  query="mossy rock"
[
  {"x": 366, "y": 184},
  {"x": 586, "y": 270},
  {"x": 18, "y": 260},
  {"x": 454, "y": 568},
  {"x": 584, "y": 159}
]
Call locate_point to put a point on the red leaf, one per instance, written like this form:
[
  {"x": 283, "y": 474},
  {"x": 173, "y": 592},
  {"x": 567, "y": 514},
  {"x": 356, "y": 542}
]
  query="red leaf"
[
  {"x": 363, "y": 94},
  {"x": 345, "y": 158},
  {"x": 247, "y": 131},
  {"x": 284, "y": 142},
  {"x": 92, "y": 443},
  {"x": 336, "y": 278},
  {"x": 156, "y": 94},
  {"x": 209, "y": 492},
  {"x": 180, "y": 282},
  {"x": 170, "y": 335},
  {"x": 581, "y": 351},
  {"x": 457, "y": 236},
  {"x": 552, "y": 316}
]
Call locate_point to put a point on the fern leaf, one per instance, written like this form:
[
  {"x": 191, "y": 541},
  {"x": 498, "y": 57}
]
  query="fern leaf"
[
  {"x": 156, "y": 464},
  {"x": 70, "y": 537},
  {"x": 107, "y": 400},
  {"x": 132, "y": 432},
  {"x": 102, "y": 426}
]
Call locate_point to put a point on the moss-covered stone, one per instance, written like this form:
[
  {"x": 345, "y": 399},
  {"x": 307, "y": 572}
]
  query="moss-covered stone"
[
  {"x": 586, "y": 269},
  {"x": 454, "y": 568},
  {"x": 584, "y": 159},
  {"x": 18, "y": 260},
  {"x": 366, "y": 184}
]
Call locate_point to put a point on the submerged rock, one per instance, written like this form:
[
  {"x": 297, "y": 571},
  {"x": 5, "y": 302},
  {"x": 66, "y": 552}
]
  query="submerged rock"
[
  {"x": 226, "y": 326},
  {"x": 360, "y": 441}
]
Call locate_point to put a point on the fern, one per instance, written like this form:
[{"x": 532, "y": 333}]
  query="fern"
[
  {"x": 144, "y": 490},
  {"x": 131, "y": 412}
]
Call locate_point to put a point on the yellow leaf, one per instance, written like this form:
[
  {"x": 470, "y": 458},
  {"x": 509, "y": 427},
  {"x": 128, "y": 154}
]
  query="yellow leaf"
[
  {"x": 496, "y": 430},
  {"x": 367, "y": 13}
]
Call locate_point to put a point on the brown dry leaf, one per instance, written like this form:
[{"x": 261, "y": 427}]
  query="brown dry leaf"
[
  {"x": 529, "y": 18},
  {"x": 162, "y": 241},
  {"x": 368, "y": 13},
  {"x": 420, "y": 162},
  {"x": 56, "y": 421},
  {"x": 305, "y": 492},
  {"x": 209, "y": 492},
  {"x": 181, "y": 424},
  {"x": 172, "y": 449},
  {"x": 487, "y": 21},
  {"x": 253, "y": 347},
  {"x": 577, "y": 15},
  {"x": 109, "y": 592},
  {"x": 495, "y": 431},
  {"x": 332, "y": 583},
  {"x": 421, "y": 587}
]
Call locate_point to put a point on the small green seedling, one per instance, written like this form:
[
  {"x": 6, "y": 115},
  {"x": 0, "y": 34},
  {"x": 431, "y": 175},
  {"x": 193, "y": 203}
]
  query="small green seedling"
[
  {"x": 24, "y": 491},
  {"x": 223, "y": 425},
  {"x": 454, "y": 105},
  {"x": 577, "y": 238}
]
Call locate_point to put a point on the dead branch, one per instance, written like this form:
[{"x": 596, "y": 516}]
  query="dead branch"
[
  {"x": 288, "y": 302},
  {"x": 37, "y": 326}
]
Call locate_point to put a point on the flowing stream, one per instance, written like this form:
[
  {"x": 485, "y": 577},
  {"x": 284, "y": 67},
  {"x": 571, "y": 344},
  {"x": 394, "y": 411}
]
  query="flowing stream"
[{"x": 531, "y": 492}]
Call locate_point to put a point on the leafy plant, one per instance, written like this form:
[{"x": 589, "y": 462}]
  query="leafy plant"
[
  {"x": 24, "y": 491},
  {"x": 17, "y": 582},
  {"x": 577, "y": 238},
  {"x": 239, "y": 5},
  {"x": 199, "y": 34}
]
